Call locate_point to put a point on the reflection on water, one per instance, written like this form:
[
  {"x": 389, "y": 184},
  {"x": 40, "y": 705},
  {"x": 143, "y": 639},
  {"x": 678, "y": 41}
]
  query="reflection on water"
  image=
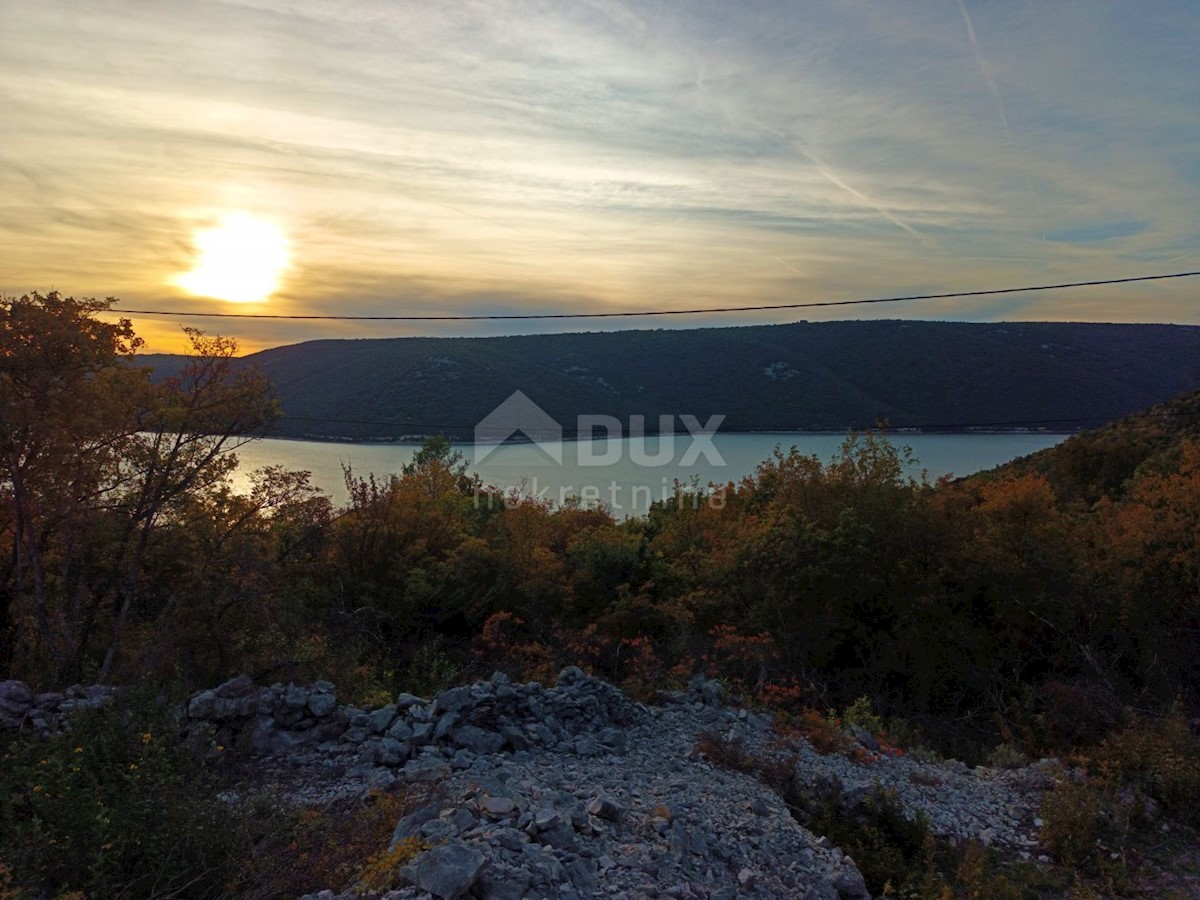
[{"x": 634, "y": 476}]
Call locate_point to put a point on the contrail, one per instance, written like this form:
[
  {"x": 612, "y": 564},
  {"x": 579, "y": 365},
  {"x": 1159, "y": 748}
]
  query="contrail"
[
  {"x": 983, "y": 68},
  {"x": 833, "y": 178},
  {"x": 994, "y": 90},
  {"x": 826, "y": 172}
]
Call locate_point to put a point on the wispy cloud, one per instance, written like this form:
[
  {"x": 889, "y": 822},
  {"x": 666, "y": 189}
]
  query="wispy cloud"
[{"x": 602, "y": 154}]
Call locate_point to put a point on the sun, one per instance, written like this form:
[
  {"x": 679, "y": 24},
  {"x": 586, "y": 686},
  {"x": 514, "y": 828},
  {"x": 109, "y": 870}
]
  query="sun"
[{"x": 240, "y": 259}]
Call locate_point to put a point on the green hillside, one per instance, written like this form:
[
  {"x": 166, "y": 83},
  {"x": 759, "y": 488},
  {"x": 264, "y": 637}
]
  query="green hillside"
[{"x": 832, "y": 375}]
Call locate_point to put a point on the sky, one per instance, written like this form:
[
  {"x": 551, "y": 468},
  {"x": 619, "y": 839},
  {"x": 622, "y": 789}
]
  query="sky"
[{"x": 385, "y": 157}]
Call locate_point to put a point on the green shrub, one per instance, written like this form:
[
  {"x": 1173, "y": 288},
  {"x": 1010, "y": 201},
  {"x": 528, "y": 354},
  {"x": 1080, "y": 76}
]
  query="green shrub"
[
  {"x": 291, "y": 852},
  {"x": 861, "y": 714},
  {"x": 888, "y": 847},
  {"x": 1007, "y": 756},
  {"x": 113, "y": 807},
  {"x": 1162, "y": 758},
  {"x": 1073, "y": 822}
]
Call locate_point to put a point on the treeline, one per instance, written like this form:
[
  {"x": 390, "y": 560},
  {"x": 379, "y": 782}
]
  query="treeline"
[
  {"x": 1021, "y": 606},
  {"x": 805, "y": 375}
]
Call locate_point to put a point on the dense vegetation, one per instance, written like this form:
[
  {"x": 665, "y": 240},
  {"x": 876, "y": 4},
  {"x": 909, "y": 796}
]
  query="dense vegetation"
[
  {"x": 1046, "y": 606},
  {"x": 829, "y": 375}
]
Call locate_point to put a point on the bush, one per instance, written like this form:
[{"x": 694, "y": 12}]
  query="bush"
[
  {"x": 1073, "y": 822},
  {"x": 1162, "y": 758},
  {"x": 113, "y": 807},
  {"x": 289, "y": 853},
  {"x": 1007, "y": 756},
  {"x": 887, "y": 846},
  {"x": 825, "y": 733},
  {"x": 861, "y": 714}
]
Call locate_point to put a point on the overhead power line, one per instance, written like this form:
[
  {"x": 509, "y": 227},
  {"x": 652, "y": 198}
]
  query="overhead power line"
[{"x": 662, "y": 312}]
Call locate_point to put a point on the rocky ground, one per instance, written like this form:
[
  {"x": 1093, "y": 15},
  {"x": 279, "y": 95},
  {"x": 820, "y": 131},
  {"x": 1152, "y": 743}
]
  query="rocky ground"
[{"x": 575, "y": 791}]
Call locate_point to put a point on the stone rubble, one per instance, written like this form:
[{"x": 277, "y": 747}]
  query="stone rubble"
[
  {"x": 574, "y": 791},
  {"x": 21, "y": 708}
]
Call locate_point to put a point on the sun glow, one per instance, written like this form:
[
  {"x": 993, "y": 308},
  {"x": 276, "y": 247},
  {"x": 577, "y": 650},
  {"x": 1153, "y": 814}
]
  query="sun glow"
[{"x": 241, "y": 259}]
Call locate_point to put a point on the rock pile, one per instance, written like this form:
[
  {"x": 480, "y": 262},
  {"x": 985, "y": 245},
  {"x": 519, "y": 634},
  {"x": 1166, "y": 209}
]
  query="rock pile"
[
  {"x": 574, "y": 791},
  {"x": 21, "y": 708},
  {"x": 580, "y": 715},
  {"x": 267, "y": 721}
]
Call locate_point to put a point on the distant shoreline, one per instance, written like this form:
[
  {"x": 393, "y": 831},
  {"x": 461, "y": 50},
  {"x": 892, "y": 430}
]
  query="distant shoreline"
[{"x": 898, "y": 433}]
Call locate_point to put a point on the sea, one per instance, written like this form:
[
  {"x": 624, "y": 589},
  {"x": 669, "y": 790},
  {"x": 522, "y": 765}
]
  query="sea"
[{"x": 626, "y": 475}]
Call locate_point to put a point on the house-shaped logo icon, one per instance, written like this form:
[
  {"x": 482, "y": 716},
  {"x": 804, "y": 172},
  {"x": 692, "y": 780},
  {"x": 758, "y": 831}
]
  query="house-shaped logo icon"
[{"x": 518, "y": 415}]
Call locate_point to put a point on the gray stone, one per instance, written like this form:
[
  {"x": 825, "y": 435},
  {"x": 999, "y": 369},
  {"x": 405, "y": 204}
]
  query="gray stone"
[
  {"x": 425, "y": 769},
  {"x": 461, "y": 819},
  {"x": 850, "y": 885},
  {"x": 401, "y": 730},
  {"x": 582, "y": 874},
  {"x": 202, "y": 705},
  {"x": 447, "y": 872},
  {"x": 476, "y": 739},
  {"x": 559, "y": 836},
  {"x": 355, "y": 735},
  {"x": 515, "y": 737},
  {"x": 613, "y": 737},
  {"x": 391, "y": 752},
  {"x": 864, "y": 737},
  {"x": 503, "y": 884},
  {"x": 235, "y": 687},
  {"x": 586, "y": 745},
  {"x": 295, "y": 697},
  {"x": 454, "y": 699},
  {"x": 706, "y": 691},
  {"x": 498, "y": 806},
  {"x": 822, "y": 890},
  {"x": 410, "y": 825},
  {"x": 322, "y": 705},
  {"x": 270, "y": 740},
  {"x": 605, "y": 808},
  {"x": 444, "y": 724},
  {"x": 438, "y": 831},
  {"x": 380, "y": 719}
]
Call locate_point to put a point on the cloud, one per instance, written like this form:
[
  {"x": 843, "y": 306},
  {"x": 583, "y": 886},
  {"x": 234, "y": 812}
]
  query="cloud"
[
  {"x": 603, "y": 154},
  {"x": 1100, "y": 231}
]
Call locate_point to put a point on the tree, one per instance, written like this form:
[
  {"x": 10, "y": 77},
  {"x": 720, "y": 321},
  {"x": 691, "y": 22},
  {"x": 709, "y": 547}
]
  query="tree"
[
  {"x": 68, "y": 412},
  {"x": 94, "y": 457}
]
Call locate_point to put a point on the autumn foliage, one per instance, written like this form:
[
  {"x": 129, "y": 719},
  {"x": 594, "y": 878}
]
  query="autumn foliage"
[{"x": 973, "y": 607}]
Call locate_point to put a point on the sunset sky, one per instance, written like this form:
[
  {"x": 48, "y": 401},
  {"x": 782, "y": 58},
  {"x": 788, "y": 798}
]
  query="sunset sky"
[{"x": 585, "y": 155}]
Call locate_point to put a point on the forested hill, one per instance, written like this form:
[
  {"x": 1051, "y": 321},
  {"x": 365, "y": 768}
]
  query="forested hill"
[
  {"x": 1060, "y": 376},
  {"x": 1101, "y": 462}
]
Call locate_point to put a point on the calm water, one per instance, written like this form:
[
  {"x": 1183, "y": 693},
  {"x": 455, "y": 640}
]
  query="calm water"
[{"x": 624, "y": 474}]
